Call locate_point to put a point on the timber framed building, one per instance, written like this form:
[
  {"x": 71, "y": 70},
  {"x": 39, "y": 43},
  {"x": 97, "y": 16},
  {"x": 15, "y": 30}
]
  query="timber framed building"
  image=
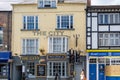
[{"x": 103, "y": 42}]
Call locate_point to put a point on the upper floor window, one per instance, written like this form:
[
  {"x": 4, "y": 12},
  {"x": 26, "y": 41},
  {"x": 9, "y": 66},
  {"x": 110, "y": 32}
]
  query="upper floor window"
[
  {"x": 47, "y": 3},
  {"x": 109, "y": 39},
  {"x": 109, "y": 18},
  {"x": 30, "y": 22},
  {"x": 30, "y": 46},
  {"x": 58, "y": 44},
  {"x": 1, "y": 36},
  {"x": 64, "y": 22}
]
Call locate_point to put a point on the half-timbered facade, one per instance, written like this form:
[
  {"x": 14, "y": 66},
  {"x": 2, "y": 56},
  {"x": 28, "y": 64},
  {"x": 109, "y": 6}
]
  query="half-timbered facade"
[{"x": 103, "y": 42}]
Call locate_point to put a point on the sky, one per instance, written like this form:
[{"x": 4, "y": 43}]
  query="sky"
[
  {"x": 5, "y": 4},
  {"x": 105, "y": 2}
]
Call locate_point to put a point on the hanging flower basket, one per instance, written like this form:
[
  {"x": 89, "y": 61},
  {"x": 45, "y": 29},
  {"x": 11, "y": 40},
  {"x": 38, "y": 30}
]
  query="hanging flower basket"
[{"x": 42, "y": 51}]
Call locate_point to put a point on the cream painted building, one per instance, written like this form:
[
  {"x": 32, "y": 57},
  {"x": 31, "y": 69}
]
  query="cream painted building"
[{"x": 43, "y": 33}]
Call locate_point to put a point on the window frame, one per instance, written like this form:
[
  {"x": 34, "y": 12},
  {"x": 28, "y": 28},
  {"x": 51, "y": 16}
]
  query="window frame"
[
  {"x": 5, "y": 69},
  {"x": 53, "y": 68},
  {"x": 59, "y": 21},
  {"x": 112, "y": 18},
  {"x": 51, "y": 45},
  {"x": 109, "y": 38},
  {"x": 24, "y": 46},
  {"x": 30, "y": 68},
  {"x": 42, "y": 4},
  {"x": 1, "y": 35},
  {"x": 27, "y": 21}
]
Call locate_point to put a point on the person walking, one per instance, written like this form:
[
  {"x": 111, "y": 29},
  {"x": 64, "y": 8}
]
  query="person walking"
[
  {"x": 82, "y": 75},
  {"x": 57, "y": 77}
]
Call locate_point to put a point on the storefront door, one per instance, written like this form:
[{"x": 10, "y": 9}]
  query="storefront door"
[{"x": 96, "y": 69}]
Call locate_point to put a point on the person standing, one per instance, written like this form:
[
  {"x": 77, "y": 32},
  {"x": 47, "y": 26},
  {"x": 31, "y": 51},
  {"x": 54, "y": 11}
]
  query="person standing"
[{"x": 82, "y": 75}]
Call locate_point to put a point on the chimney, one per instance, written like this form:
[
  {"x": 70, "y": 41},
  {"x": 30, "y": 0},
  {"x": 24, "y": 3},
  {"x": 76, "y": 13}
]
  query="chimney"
[{"x": 88, "y": 2}]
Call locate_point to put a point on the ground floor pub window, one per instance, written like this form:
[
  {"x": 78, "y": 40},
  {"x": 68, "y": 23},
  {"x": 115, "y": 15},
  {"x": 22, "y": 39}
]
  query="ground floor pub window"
[
  {"x": 30, "y": 68},
  {"x": 4, "y": 70},
  {"x": 57, "y": 67}
]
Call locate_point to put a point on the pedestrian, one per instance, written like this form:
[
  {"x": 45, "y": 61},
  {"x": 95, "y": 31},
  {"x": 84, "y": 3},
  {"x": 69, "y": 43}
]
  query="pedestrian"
[
  {"x": 57, "y": 77},
  {"x": 82, "y": 75}
]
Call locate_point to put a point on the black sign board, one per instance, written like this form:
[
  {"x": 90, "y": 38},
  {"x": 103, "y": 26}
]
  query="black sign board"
[
  {"x": 30, "y": 57},
  {"x": 56, "y": 57},
  {"x": 41, "y": 70}
]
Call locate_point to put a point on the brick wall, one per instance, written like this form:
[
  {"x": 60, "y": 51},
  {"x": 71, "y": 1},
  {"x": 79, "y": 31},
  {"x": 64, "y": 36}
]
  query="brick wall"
[{"x": 6, "y": 23}]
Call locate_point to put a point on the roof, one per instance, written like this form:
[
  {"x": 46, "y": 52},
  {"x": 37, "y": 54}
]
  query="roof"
[
  {"x": 104, "y": 8},
  {"x": 65, "y": 1}
]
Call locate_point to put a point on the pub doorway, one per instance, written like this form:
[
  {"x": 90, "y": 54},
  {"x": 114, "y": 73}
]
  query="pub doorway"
[{"x": 19, "y": 72}]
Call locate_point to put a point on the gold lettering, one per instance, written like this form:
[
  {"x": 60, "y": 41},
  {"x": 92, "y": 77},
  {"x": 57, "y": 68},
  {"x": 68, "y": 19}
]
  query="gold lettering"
[{"x": 50, "y": 33}]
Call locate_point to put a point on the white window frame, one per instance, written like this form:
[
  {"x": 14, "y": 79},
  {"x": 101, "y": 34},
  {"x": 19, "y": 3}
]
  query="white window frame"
[
  {"x": 51, "y": 48},
  {"x": 30, "y": 66},
  {"x": 52, "y": 69},
  {"x": 113, "y": 18},
  {"x": 42, "y": 4},
  {"x": 60, "y": 22},
  {"x": 25, "y": 22},
  {"x": 25, "y": 47},
  {"x": 114, "y": 38}
]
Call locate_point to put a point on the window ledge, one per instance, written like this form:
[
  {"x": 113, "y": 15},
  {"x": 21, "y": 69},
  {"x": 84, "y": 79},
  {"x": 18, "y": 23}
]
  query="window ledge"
[
  {"x": 65, "y": 29},
  {"x": 30, "y": 30},
  {"x": 47, "y": 7},
  {"x": 111, "y": 24}
]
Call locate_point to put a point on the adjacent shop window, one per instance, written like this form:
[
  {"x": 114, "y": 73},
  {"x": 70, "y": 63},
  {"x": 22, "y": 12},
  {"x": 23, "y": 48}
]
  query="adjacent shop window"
[
  {"x": 30, "y": 22},
  {"x": 109, "y": 39},
  {"x": 58, "y": 44},
  {"x": 115, "y": 61},
  {"x": 30, "y": 46},
  {"x": 30, "y": 68},
  {"x": 3, "y": 70},
  {"x": 1, "y": 36},
  {"x": 57, "y": 67},
  {"x": 64, "y": 21},
  {"x": 109, "y": 18},
  {"x": 47, "y": 3},
  {"x": 93, "y": 60}
]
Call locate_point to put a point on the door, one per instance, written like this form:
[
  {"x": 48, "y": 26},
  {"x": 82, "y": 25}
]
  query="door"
[
  {"x": 93, "y": 69},
  {"x": 92, "y": 72},
  {"x": 101, "y": 71},
  {"x": 19, "y": 72}
]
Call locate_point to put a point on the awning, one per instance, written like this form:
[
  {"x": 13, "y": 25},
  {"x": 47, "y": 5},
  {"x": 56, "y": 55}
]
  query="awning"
[{"x": 5, "y": 55}]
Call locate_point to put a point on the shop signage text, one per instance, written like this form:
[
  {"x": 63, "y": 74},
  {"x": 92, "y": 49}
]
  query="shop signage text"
[
  {"x": 50, "y": 33},
  {"x": 30, "y": 58},
  {"x": 56, "y": 57}
]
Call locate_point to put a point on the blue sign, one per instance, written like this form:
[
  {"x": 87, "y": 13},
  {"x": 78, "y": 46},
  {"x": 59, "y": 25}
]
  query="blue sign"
[
  {"x": 99, "y": 54},
  {"x": 115, "y": 54},
  {"x": 5, "y": 55}
]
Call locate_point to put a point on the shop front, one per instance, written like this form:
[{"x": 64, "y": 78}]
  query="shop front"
[
  {"x": 5, "y": 58},
  {"x": 102, "y": 65},
  {"x": 57, "y": 67},
  {"x": 30, "y": 67}
]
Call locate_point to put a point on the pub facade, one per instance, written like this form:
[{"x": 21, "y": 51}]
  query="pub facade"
[{"x": 46, "y": 34}]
